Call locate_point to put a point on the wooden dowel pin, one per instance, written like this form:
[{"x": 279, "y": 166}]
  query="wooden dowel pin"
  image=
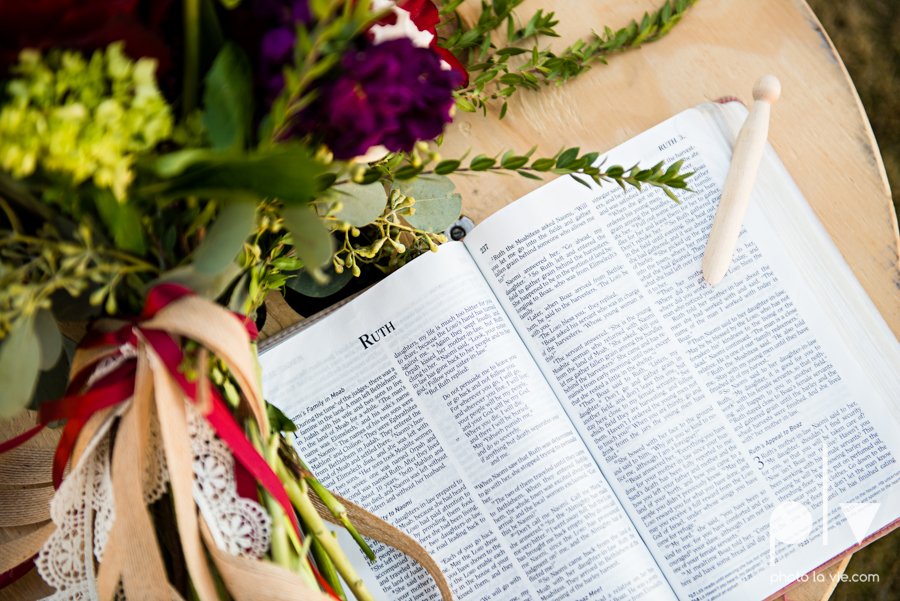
[{"x": 748, "y": 151}]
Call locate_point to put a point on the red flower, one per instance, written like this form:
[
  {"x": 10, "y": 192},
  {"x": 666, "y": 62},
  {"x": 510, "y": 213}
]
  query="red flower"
[
  {"x": 80, "y": 25},
  {"x": 425, "y": 17}
]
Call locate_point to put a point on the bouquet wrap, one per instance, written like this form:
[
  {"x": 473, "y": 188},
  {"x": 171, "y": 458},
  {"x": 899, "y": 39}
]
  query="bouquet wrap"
[{"x": 169, "y": 430}]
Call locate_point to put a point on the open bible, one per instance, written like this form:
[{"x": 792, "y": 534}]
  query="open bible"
[{"x": 560, "y": 407}]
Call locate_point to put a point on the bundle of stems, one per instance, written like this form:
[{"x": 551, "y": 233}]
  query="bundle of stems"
[{"x": 319, "y": 547}]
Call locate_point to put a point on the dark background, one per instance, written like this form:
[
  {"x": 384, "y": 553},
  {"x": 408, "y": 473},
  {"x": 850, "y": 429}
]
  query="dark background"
[{"x": 867, "y": 36}]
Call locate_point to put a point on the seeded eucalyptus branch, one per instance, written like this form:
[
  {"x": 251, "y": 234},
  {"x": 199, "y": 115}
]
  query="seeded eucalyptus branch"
[
  {"x": 33, "y": 268},
  {"x": 495, "y": 75}
]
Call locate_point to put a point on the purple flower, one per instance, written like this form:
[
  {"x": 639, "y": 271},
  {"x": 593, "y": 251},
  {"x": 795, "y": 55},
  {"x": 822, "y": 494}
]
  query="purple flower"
[
  {"x": 391, "y": 94},
  {"x": 277, "y": 43}
]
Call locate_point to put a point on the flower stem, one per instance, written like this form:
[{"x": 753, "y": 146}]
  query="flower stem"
[
  {"x": 317, "y": 529},
  {"x": 191, "y": 56},
  {"x": 326, "y": 568}
]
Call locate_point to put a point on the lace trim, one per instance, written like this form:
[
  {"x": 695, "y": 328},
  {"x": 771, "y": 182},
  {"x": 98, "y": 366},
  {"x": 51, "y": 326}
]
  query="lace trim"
[
  {"x": 65, "y": 562},
  {"x": 83, "y": 508},
  {"x": 239, "y": 526}
]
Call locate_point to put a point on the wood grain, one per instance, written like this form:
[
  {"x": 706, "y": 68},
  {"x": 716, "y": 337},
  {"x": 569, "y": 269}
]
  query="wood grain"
[{"x": 813, "y": 590}]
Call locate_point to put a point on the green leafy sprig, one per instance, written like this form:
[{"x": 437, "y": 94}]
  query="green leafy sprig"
[
  {"x": 401, "y": 167},
  {"x": 498, "y": 75},
  {"x": 390, "y": 241}
]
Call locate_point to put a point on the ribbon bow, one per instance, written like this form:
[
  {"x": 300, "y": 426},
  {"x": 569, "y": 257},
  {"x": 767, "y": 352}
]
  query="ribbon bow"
[
  {"x": 141, "y": 360},
  {"x": 170, "y": 310}
]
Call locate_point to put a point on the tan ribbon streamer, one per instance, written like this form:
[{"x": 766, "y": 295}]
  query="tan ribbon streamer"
[
  {"x": 84, "y": 357},
  {"x": 251, "y": 579},
  {"x": 25, "y": 547},
  {"x": 133, "y": 537},
  {"x": 372, "y": 526},
  {"x": 216, "y": 328},
  {"x": 179, "y": 462},
  {"x": 89, "y": 432}
]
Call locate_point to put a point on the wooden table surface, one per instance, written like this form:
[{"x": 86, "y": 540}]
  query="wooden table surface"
[{"x": 721, "y": 47}]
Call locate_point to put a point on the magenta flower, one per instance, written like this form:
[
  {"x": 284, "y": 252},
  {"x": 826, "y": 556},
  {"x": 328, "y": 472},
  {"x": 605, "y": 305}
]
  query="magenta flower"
[{"x": 392, "y": 94}]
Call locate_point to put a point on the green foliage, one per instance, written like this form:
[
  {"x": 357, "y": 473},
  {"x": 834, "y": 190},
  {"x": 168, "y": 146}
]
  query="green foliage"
[
  {"x": 568, "y": 161},
  {"x": 210, "y": 286},
  {"x": 278, "y": 420},
  {"x": 499, "y": 74},
  {"x": 19, "y": 359},
  {"x": 48, "y": 337},
  {"x": 311, "y": 239},
  {"x": 286, "y": 172},
  {"x": 360, "y": 204},
  {"x": 123, "y": 221},
  {"x": 307, "y": 285},
  {"x": 51, "y": 383},
  {"x": 434, "y": 205},
  {"x": 228, "y": 99},
  {"x": 225, "y": 238}
]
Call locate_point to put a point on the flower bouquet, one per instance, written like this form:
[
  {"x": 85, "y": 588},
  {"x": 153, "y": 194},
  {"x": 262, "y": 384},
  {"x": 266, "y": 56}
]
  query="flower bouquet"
[{"x": 163, "y": 166}]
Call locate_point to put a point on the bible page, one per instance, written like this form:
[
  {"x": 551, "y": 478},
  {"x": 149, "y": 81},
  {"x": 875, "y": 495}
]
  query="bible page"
[
  {"x": 711, "y": 410},
  {"x": 420, "y": 403}
]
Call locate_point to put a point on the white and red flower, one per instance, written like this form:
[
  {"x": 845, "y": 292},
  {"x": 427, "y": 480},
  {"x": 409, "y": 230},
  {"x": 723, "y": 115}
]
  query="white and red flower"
[{"x": 416, "y": 20}]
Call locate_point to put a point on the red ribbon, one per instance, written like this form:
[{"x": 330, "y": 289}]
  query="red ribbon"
[
  {"x": 13, "y": 574},
  {"x": 118, "y": 386}
]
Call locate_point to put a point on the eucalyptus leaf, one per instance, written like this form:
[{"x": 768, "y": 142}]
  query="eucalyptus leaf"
[
  {"x": 225, "y": 237},
  {"x": 306, "y": 285},
  {"x": 362, "y": 204},
  {"x": 312, "y": 240},
  {"x": 51, "y": 383},
  {"x": 19, "y": 359},
  {"x": 210, "y": 286},
  {"x": 228, "y": 99},
  {"x": 437, "y": 205},
  {"x": 123, "y": 220},
  {"x": 49, "y": 338}
]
